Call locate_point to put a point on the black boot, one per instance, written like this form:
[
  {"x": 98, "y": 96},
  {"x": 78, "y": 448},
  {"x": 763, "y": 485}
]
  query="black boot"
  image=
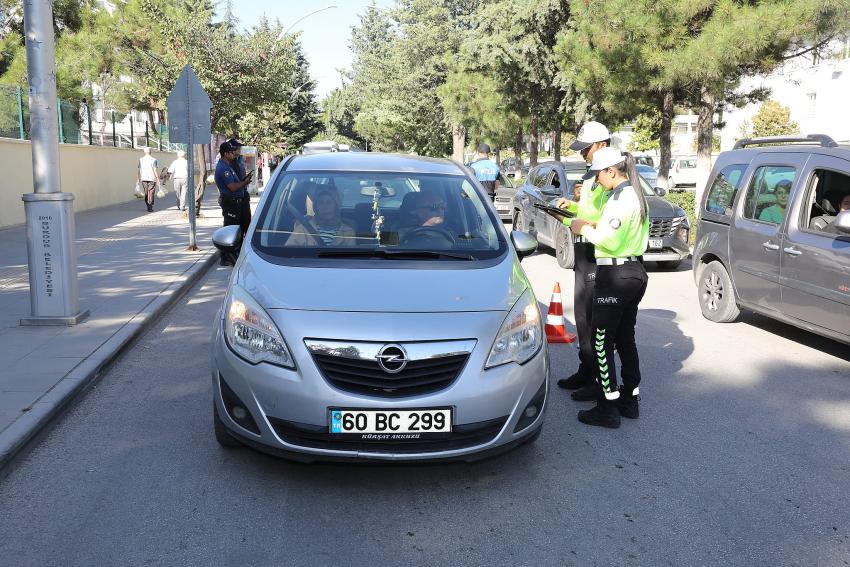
[
  {"x": 628, "y": 404},
  {"x": 604, "y": 414},
  {"x": 574, "y": 382},
  {"x": 587, "y": 393}
]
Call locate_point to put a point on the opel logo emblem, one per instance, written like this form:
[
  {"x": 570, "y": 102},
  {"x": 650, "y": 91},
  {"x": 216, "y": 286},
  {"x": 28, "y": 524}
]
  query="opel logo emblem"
[{"x": 392, "y": 359}]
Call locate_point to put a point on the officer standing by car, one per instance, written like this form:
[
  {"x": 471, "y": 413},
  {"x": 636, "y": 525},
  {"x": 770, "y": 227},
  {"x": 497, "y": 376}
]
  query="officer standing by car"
[
  {"x": 592, "y": 137},
  {"x": 619, "y": 237},
  {"x": 486, "y": 170},
  {"x": 233, "y": 198}
]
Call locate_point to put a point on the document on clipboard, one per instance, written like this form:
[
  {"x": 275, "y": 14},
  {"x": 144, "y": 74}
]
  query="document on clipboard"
[{"x": 559, "y": 214}]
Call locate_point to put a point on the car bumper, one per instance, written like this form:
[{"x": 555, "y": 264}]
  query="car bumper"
[
  {"x": 504, "y": 207},
  {"x": 672, "y": 250},
  {"x": 288, "y": 409}
]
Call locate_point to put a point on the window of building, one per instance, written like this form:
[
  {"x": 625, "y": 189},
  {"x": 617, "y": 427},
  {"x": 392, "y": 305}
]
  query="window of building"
[
  {"x": 768, "y": 193},
  {"x": 721, "y": 195},
  {"x": 813, "y": 99}
]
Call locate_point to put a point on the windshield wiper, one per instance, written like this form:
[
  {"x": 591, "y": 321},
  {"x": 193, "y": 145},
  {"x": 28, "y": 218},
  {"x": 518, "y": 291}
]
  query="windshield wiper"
[{"x": 395, "y": 254}]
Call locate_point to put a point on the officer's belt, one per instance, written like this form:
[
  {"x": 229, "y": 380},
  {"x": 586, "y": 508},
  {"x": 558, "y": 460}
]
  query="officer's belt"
[{"x": 615, "y": 261}]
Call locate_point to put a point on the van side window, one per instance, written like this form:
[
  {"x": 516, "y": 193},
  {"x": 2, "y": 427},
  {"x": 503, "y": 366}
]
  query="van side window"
[
  {"x": 829, "y": 194},
  {"x": 768, "y": 193},
  {"x": 721, "y": 195}
]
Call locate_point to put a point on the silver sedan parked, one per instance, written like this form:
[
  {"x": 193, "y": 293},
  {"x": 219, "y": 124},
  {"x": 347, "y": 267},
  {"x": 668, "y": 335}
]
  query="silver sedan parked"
[{"x": 378, "y": 311}]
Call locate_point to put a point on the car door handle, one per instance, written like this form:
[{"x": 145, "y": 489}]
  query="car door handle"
[
  {"x": 793, "y": 251},
  {"x": 770, "y": 245}
]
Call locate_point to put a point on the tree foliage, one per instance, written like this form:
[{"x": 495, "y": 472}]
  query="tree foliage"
[{"x": 773, "y": 119}]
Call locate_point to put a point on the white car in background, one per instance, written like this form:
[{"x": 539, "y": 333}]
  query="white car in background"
[{"x": 683, "y": 171}]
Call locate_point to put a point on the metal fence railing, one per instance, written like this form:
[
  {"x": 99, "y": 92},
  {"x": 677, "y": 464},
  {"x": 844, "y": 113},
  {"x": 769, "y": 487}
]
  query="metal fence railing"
[{"x": 78, "y": 125}]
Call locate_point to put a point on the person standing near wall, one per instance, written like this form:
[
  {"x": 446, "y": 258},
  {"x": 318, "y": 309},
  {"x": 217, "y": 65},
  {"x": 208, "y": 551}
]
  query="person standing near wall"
[
  {"x": 148, "y": 176},
  {"x": 179, "y": 171}
]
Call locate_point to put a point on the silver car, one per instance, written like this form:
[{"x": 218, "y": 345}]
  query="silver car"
[{"x": 378, "y": 311}]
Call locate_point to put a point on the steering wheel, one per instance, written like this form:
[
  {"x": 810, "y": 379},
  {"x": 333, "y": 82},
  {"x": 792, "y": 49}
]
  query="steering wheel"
[{"x": 428, "y": 232}]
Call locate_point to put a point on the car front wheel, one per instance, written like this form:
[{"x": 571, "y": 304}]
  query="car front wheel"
[
  {"x": 716, "y": 296},
  {"x": 564, "y": 251}
]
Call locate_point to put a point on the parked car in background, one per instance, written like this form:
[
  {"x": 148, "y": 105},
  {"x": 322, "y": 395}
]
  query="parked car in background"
[
  {"x": 645, "y": 160},
  {"x": 649, "y": 173},
  {"x": 772, "y": 238},
  {"x": 669, "y": 226},
  {"x": 512, "y": 166},
  {"x": 683, "y": 172},
  {"x": 504, "y": 201},
  {"x": 394, "y": 337}
]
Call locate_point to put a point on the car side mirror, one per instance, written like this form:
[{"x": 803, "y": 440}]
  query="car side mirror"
[
  {"x": 842, "y": 222},
  {"x": 524, "y": 243},
  {"x": 227, "y": 238},
  {"x": 660, "y": 191}
]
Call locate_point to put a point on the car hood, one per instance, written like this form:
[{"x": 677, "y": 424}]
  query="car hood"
[
  {"x": 662, "y": 208},
  {"x": 411, "y": 289}
]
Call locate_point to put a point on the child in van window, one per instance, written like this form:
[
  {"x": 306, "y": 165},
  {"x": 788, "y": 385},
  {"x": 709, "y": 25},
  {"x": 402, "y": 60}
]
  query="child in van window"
[{"x": 776, "y": 212}]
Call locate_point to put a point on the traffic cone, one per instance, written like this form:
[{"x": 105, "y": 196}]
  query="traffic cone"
[{"x": 555, "y": 330}]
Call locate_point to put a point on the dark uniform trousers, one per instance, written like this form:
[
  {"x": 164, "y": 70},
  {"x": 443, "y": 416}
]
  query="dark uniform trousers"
[
  {"x": 585, "y": 274},
  {"x": 236, "y": 210},
  {"x": 618, "y": 292}
]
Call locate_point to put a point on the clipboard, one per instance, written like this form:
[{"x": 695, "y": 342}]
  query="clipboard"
[{"x": 559, "y": 214}]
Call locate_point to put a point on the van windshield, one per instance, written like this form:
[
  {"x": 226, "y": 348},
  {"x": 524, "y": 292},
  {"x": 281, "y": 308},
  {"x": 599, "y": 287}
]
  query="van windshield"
[{"x": 376, "y": 215}]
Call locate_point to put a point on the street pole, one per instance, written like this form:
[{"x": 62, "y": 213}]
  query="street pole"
[
  {"x": 52, "y": 256},
  {"x": 132, "y": 134},
  {"x": 190, "y": 151},
  {"x": 20, "y": 113}
]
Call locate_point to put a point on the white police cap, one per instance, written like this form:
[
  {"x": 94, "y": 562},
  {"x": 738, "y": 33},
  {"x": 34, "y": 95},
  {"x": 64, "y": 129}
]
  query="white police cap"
[
  {"x": 591, "y": 132},
  {"x": 604, "y": 158}
]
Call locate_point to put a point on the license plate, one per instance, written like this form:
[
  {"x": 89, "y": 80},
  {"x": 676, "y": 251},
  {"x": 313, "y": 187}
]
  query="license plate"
[
  {"x": 381, "y": 425},
  {"x": 656, "y": 243}
]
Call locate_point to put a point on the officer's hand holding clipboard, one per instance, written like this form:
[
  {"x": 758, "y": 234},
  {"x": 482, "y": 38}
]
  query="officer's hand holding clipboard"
[{"x": 559, "y": 214}]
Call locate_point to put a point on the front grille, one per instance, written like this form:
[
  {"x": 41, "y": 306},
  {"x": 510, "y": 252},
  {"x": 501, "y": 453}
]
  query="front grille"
[
  {"x": 367, "y": 377},
  {"x": 317, "y": 437},
  {"x": 659, "y": 228}
]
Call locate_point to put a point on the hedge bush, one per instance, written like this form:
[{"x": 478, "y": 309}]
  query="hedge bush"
[{"x": 686, "y": 200}]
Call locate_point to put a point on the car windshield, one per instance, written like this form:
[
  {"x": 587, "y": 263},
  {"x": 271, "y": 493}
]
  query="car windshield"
[
  {"x": 376, "y": 215},
  {"x": 644, "y": 168}
]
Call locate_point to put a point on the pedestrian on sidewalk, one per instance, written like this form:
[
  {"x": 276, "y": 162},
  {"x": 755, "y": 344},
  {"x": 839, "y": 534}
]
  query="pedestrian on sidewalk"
[
  {"x": 148, "y": 176},
  {"x": 233, "y": 198},
  {"x": 179, "y": 172}
]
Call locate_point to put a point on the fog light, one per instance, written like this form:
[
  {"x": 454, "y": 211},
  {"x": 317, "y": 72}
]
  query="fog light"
[
  {"x": 531, "y": 411},
  {"x": 240, "y": 413},
  {"x": 682, "y": 234}
]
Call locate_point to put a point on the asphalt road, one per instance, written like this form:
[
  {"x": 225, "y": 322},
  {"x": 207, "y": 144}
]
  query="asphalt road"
[{"x": 741, "y": 456}]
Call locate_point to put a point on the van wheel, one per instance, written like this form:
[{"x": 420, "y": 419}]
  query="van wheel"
[
  {"x": 224, "y": 438},
  {"x": 564, "y": 251},
  {"x": 716, "y": 296}
]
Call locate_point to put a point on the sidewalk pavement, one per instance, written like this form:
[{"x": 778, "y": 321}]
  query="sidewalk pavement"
[{"x": 132, "y": 266}]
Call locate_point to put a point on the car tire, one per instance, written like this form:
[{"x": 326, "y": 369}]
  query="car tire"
[
  {"x": 669, "y": 264},
  {"x": 564, "y": 251},
  {"x": 716, "y": 295},
  {"x": 224, "y": 438},
  {"x": 518, "y": 222}
]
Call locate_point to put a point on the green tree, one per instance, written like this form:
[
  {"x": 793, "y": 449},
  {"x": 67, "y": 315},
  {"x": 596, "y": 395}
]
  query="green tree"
[
  {"x": 773, "y": 119},
  {"x": 646, "y": 132}
]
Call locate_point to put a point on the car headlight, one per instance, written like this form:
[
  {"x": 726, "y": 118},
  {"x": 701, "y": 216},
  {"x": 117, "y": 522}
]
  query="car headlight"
[
  {"x": 251, "y": 333},
  {"x": 521, "y": 335},
  {"x": 683, "y": 232}
]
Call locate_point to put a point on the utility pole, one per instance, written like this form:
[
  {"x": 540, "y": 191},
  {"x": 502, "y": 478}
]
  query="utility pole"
[{"x": 52, "y": 256}]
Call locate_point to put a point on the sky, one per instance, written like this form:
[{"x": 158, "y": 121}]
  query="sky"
[{"x": 325, "y": 35}]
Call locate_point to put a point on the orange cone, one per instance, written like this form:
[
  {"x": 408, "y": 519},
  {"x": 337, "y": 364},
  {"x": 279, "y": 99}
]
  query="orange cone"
[{"x": 555, "y": 330}]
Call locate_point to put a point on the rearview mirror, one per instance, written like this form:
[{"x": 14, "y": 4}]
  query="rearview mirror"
[
  {"x": 660, "y": 191},
  {"x": 227, "y": 238},
  {"x": 384, "y": 191},
  {"x": 524, "y": 243},
  {"x": 842, "y": 222}
]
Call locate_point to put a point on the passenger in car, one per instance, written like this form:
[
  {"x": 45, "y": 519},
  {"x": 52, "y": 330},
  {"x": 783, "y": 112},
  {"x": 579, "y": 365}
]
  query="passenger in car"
[
  {"x": 776, "y": 212},
  {"x": 429, "y": 212},
  {"x": 326, "y": 227}
]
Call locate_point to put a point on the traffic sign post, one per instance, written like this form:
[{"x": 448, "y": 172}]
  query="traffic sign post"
[{"x": 189, "y": 110}]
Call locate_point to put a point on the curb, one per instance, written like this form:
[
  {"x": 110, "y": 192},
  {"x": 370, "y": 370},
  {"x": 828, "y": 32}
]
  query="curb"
[{"x": 53, "y": 403}]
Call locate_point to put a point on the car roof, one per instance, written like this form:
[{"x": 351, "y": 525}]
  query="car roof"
[
  {"x": 371, "y": 161},
  {"x": 745, "y": 155}
]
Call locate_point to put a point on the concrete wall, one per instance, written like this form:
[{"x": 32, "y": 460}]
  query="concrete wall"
[{"x": 97, "y": 176}]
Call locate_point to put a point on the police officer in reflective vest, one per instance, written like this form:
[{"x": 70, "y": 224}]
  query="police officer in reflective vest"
[
  {"x": 592, "y": 137},
  {"x": 619, "y": 237},
  {"x": 486, "y": 170}
]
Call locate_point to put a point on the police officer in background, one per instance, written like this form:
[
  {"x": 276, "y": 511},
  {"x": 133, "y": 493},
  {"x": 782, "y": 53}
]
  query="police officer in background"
[
  {"x": 240, "y": 163},
  {"x": 233, "y": 198},
  {"x": 591, "y": 196},
  {"x": 486, "y": 170},
  {"x": 619, "y": 237}
]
